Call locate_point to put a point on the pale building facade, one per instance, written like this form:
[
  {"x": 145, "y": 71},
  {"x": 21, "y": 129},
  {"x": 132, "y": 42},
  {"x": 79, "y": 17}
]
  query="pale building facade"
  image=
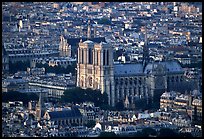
[
  {"x": 95, "y": 68},
  {"x": 64, "y": 47}
]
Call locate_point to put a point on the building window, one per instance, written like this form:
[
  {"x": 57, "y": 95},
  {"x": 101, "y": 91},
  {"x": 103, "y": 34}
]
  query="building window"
[
  {"x": 104, "y": 58},
  {"x": 96, "y": 57},
  {"x": 82, "y": 83},
  {"x": 135, "y": 81},
  {"x": 126, "y": 81},
  {"x": 116, "y": 82},
  {"x": 172, "y": 79},
  {"x": 121, "y": 81},
  {"x": 107, "y": 57},
  {"x": 82, "y": 56},
  {"x": 90, "y": 56}
]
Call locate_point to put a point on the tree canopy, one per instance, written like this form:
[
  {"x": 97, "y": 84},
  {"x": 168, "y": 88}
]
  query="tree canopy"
[
  {"x": 146, "y": 132},
  {"x": 18, "y": 96},
  {"x": 79, "y": 95},
  {"x": 107, "y": 134},
  {"x": 58, "y": 69},
  {"x": 104, "y": 21},
  {"x": 167, "y": 132},
  {"x": 163, "y": 132},
  {"x": 18, "y": 66}
]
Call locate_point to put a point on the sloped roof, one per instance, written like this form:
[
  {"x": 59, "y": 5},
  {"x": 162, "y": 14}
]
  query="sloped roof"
[
  {"x": 170, "y": 66},
  {"x": 123, "y": 69},
  {"x": 177, "y": 48},
  {"x": 74, "y": 112},
  {"x": 75, "y": 41}
]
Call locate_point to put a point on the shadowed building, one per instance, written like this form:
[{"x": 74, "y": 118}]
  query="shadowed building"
[{"x": 64, "y": 117}]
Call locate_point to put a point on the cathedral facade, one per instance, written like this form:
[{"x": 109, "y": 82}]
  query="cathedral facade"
[
  {"x": 95, "y": 68},
  {"x": 124, "y": 82}
]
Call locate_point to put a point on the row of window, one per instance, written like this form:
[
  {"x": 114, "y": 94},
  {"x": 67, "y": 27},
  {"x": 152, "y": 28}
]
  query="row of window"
[
  {"x": 20, "y": 52},
  {"x": 29, "y": 56},
  {"x": 135, "y": 92},
  {"x": 67, "y": 122},
  {"x": 90, "y": 57},
  {"x": 60, "y": 62},
  {"x": 140, "y": 80}
]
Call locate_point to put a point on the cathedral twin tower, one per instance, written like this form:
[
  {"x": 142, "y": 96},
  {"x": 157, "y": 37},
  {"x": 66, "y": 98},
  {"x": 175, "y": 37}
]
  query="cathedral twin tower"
[{"x": 95, "y": 68}]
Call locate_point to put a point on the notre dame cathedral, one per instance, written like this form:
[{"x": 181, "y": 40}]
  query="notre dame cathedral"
[{"x": 125, "y": 82}]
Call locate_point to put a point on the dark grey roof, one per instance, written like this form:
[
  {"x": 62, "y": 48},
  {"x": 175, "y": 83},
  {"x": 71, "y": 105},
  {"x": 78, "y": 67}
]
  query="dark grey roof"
[
  {"x": 123, "y": 69},
  {"x": 75, "y": 41},
  {"x": 170, "y": 66},
  {"x": 74, "y": 112}
]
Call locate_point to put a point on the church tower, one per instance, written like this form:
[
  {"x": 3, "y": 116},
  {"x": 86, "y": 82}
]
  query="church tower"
[
  {"x": 38, "y": 108},
  {"x": 64, "y": 48},
  {"x": 95, "y": 68}
]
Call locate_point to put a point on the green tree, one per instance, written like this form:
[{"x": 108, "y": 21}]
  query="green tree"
[
  {"x": 90, "y": 124},
  {"x": 104, "y": 21},
  {"x": 119, "y": 106},
  {"x": 138, "y": 134},
  {"x": 185, "y": 135},
  {"x": 107, "y": 134},
  {"x": 167, "y": 132},
  {"x": 58, "y": 69},
  {"x": 146, "y": 132},
  {"x": 17, "y": 96},
  {"x": 18, "y": 66},
  {"x": 79, "y": 95}
]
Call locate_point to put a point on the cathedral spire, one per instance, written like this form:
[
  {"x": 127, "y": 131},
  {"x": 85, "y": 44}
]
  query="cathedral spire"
[
  {"x": 145, "y": 50},
  {"x": 126, "y": 102},
  {"x": 38, "y": 108},
  {"x": 89, "y": 30},
  {"x": 146, "y": 35}
]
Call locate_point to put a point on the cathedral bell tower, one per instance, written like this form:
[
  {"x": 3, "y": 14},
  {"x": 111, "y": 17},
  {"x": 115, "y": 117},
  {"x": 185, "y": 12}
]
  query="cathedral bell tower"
[{"x": 95, "y": 68}]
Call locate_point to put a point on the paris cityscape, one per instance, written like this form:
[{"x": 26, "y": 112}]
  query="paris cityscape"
[{"x": 101, "y": 69}]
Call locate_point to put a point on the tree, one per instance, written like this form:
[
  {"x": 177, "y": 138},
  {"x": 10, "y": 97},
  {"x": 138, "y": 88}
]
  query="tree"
[
  {"x": 79, "y": 95},
  {"x": 146, "y": 132},
  {"x": 119, "y": 106},
  {"x": 17, "y": 96},
  {"x": 18, "y": 66},
  {"x": 167, "y": 132},
  {"x": 107, "y": 134},
  {"x": 185, "y": 135},
  {"x": 138, "y": 134},
  {"x": 58, "y": 69},
  {"x": 104, "y": 21},
  {"x": 118, "y": 53},
  {"x": 91, "y": 124}
]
